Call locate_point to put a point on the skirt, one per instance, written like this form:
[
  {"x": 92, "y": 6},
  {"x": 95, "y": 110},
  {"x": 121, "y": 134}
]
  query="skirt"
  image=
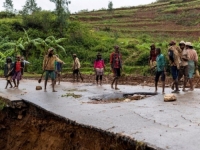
[{"x": 99, "y": 71}]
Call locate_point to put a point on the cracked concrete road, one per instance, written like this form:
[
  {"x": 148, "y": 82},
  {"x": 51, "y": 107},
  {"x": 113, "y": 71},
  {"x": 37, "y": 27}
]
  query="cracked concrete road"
[{"x": 164, "y": 125}]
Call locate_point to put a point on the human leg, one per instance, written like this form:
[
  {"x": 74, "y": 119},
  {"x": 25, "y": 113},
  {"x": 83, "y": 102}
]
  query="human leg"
[
  {"x": 45, "y": 81},
  {"x": 100, "y": 79}
]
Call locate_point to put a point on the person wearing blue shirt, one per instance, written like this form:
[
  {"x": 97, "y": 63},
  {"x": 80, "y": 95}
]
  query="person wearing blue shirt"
[{"x": 160, "y": 70}]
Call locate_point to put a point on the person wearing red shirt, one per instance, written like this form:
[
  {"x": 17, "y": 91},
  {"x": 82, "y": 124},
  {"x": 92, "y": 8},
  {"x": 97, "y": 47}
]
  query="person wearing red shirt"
[
  {"x": 99, "y": 67},
  {"x": 116, "y": 66},
  {"x": 18, "y": 66}
]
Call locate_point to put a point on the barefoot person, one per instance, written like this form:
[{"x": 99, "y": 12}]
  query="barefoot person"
[
  {"x": 174, "y": 60},
  {"x": 99, "y": 67},
  {"x": 76, "y": 66},
  {"x": 160, "y": 70},
  {"x": 58, "y": 69},
  {"x": 8, "y": 71},
  {"x": 116, "y": 66},
  {"x": 152, "y": 57},
  {"x": 183, "y": 71},
  {"x": 18, "y": 66},
  {"x": 49, "y": 67},
  {"x": 192, "y": 63}
]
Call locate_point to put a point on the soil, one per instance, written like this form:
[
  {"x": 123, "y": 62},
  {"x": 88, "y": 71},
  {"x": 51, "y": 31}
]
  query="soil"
[{"x": 32, "y": 128}]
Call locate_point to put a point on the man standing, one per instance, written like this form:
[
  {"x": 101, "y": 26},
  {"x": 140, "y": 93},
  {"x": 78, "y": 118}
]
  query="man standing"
[
  {"x": 152, "y": 57},
  {"x": 184, "y": 64},
  {"x": 192, "y": 63},
  {"x": 18, "y": 66},
  {"x": 174, "y": 60},
  {"x": 25, "y": 63},
  {"x": 160, "y": 70},
  {"x": 76, "y": 67},
  {"x": 49, "y": 67},
  {"x": 116, "y": 66}
]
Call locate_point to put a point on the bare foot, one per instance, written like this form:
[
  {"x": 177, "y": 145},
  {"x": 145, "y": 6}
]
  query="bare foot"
[
  {"x": 5, "y": 87},
  {"x": 116, "y": 88},
  {"x": 45, "y": 90},
  {"x": 54, "y": 91}
]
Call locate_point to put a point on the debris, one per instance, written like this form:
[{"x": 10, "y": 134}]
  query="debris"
[
  {"x": 127, "y": 100},
  {"x": 38, "y": 88},
  {"x": 169, "y": 97}
]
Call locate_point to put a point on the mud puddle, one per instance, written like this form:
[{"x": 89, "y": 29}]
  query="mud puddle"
[{"x": 120, "y": 97}]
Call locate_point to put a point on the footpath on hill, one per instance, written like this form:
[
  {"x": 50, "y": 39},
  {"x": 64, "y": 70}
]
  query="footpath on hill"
[{"x": 150, "y": 121}]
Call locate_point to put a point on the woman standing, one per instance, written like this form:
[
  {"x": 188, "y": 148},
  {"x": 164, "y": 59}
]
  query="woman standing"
[
  {"x": 192, "y": 62},
  {"x": 8, "y": 71},
  {"x": 99, "y": 67}
]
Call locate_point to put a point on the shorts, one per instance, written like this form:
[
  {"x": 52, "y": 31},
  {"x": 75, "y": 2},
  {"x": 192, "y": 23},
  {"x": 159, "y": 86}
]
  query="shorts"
[
  {"x": 51, "y": 74},
  {"x": 75, "y": 71},
  {"x": 117, "y": 72},
  {"x": 158, "y": 74},
  {"x": 191, "y": 69},
  {"x": 17, "y": 75},
  {"x": 183, "y": 71},
  {"x": 99, "y": 71},
  {"x": 174, "y": 71}
]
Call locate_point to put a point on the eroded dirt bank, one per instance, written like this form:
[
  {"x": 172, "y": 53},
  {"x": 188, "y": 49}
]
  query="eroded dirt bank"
[{"x": 28, "y": 127}]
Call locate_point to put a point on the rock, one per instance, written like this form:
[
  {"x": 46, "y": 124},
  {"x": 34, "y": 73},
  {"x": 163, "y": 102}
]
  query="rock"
[
  {"x": 38, "y": 88},
  {"x": 136, "y": 97},
  {"x": 127, "y": 100},
  {"x": 169, "y": 97},
  {"x": 19, "y": 117}
]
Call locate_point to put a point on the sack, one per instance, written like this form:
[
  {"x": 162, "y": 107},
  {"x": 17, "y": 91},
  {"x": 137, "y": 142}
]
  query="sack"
[
  {"x": 171, "y": 55},
  {"x": 197, "y": 73}
]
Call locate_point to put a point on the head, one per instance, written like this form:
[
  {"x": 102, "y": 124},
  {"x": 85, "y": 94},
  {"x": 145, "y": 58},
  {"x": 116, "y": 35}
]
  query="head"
[
  {"x": 50, "y": 52},
  {"x": 172, "y": 43},
  {"x": 8, "y": 60},
  {"x": 158, "y": 51},
  {"x": 116, "y": 49},
  {"x": 188, "y": 45},
  {"x": 98, "y": 56},
  {"x": 22, "y": 58},
  {"x": 153, "y": 47},
  {"x": 182, "y": 45},
  {"x": 74, "y": 56},
  {"x": 18, "y": 57}
]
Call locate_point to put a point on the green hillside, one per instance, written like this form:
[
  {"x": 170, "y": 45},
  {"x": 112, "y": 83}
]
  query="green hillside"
[{"x": 134, "y": 29}]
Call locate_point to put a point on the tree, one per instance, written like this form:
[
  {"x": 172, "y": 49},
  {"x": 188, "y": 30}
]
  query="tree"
[
  {"x": 8, "y": 5},
  {"x": 110, "y": 6},
  {"x": 30, "y": 7},
  {"x": 62, "y": 13}
]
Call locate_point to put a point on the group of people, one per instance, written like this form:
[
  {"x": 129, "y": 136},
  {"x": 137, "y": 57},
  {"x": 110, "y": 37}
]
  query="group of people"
[
  {"x": 14, "y": 71},
  {"x": 183, "y": 61}
]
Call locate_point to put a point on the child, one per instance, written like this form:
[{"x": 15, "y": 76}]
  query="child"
[
  {"x": 160, "y": 70},
  {"x": 8, "y": 71},
  {"x": 99, "y": 67}
]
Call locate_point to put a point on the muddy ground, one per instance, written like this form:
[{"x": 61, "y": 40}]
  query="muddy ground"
[{"x": 31, "y": 128}]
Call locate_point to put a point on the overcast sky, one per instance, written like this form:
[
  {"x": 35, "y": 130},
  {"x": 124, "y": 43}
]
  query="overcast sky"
[{"x": 77, "y": 5}]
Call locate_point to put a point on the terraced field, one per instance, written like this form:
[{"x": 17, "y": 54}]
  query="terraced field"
[{"x": 170, "y": 19}]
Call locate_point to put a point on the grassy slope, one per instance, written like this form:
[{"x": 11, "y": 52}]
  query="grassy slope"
[{"x": 169, "y": 19}]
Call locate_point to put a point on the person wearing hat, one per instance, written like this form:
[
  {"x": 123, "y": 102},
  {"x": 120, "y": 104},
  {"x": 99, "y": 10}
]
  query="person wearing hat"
[
  {"x": 18, "y": 67},
  {"x": 116, "y": 66},
  {"x": 76, "y": 66},
  {"x": 192, "y": 63},
  {"x": 49, "y": 67},
  {"x": 183, "y": 71},
  {"x": 99, "y": 67},
  {"x": 8, "y": 71},
  {"x": 174, "y": 61},
  {"x": 152, "y": 57}
]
